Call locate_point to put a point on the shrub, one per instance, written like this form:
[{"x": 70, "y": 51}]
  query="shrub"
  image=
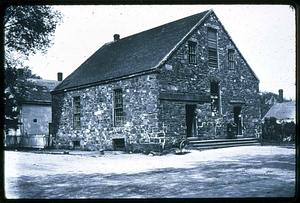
[{"x": 271, "y": 130}]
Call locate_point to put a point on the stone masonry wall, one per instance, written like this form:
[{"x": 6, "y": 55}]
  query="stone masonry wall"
[
  {"x": 178, "y": 76},
  {"x": 148, "y": 119},
  {"x": 140, "y": 96}
]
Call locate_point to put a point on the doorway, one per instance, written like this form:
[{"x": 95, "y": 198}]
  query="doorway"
[
  {"x": 190, "y": 120},
  {"x": 237, "y": 119}
]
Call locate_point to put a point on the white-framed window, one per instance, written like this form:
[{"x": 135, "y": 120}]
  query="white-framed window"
[
  {"x": 231, "y": 59},
  {"x": 76, "y": 112},
  {"x": 118, "y": 107},
  {"x": 192, "y": 53}
]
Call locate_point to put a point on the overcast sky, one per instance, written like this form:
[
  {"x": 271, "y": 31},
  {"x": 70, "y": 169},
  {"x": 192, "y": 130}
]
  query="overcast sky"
[{"x": 265, "y": 35}]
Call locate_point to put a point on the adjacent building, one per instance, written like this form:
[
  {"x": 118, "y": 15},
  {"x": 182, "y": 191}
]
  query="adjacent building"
[
  {"x": 284, "y": 112},
  {"x": 184, "y": 79},
  {"x": 35, "y": 114}
]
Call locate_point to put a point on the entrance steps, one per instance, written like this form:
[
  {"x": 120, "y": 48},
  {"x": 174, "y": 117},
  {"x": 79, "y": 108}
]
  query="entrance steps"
[{"x": 195, "y": 143}]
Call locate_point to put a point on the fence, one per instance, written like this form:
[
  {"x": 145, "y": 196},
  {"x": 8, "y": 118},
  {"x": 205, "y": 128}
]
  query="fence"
[{"x": 28, "y": 141}]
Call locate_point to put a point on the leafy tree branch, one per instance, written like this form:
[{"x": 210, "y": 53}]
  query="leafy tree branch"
[{"x": 27, "y": 29}]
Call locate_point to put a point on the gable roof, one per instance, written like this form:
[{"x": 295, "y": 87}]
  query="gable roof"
[
  {"x": 135, "y": 54},
  {"x": 37, "y": 91},
  {"x": 282, "y": 111}
]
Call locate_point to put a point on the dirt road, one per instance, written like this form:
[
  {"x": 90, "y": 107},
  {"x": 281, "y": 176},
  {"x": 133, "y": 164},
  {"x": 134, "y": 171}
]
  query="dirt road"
[{"x": 252, "y": 171}]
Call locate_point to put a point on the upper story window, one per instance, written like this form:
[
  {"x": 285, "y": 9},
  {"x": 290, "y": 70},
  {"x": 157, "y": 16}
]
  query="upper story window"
[
  {"x": 231, "y": 59},
  {"x": 76, "y": 112},
  {"x": 192, "y": 52},
  {"x": 212, "y": 42},
  {"x": 214, "y": 97},
  {"x": 118, "y": 107}
]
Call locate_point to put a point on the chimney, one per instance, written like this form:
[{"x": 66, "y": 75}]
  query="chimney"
[
  {"x": 116, "y": 37},
  {"x": 20, "y": 73},
  {"x": 280, "y": 95},
  {"x": 59, "y": 76}
]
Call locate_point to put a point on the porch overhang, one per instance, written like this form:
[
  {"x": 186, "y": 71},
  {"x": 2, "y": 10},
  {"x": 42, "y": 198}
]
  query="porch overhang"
[
  {"x": 237, "y": 101},
  {"x": 184, "y": 97}
]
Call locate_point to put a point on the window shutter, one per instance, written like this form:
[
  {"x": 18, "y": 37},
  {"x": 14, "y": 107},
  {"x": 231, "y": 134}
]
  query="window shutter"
[{"x": 212, "y": 42}]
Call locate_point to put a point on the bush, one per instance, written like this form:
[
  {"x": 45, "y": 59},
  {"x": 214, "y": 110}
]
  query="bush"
[{"x": 271, "y": 130}]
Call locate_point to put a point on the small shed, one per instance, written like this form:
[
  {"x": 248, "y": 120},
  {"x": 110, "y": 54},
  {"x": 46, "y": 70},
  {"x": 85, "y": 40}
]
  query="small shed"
[{"x": 35, "y": 115}]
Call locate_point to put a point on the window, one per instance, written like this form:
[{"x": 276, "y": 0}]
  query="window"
[
  {"x": 76, "y": 144},
  {"x": 118, "y": 108},
  {"x": 212, "y": 47},
  {"x": 231, "y": 58},
  {"x": 192, "y": 52},
  {"x": 214, "y": 97},
  {"x": 119, "y": 144},
  {"x": 76, "y": 112}
]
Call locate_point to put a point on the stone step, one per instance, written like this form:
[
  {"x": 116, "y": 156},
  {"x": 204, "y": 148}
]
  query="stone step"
[
  {"x": 195, "y": 139},
  {"x": 197, "y": 144},
  {"x": 224, "y": 146},
  {"x": 221, "y": 143}
]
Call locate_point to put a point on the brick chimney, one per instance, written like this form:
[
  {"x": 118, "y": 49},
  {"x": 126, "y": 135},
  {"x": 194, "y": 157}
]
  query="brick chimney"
[
  {"x": 280, "y": 95},
  {"x": 20, "y": 73},
  {"x": 116, "y": 37},
  {"x": 59, "y": 76}
]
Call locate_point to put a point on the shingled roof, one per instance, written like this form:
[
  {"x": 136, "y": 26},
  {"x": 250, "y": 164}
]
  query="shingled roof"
[
  {"x": 37, "y": 91},
  {"x": 138, "y": 53},
  {"x": 133, "y": 54},
  {"x": 282, "y": 111}
]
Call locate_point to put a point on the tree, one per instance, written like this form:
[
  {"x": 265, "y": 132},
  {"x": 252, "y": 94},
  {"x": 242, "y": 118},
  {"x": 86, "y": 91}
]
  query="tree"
[
  {"x": 27, "y": 29},
  {"x": 267, "y": 100},
  {"x": 10, "y": 101}
]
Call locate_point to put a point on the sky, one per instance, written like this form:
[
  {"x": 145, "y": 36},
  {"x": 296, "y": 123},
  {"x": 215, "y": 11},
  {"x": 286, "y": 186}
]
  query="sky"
[{"x": 265, "y": 35}]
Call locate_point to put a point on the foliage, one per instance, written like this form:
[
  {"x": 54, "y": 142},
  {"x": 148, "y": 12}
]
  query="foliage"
[
  {"x": 271, "y": 130},
  {"x": 267, "y": 100},
  {"x": 27, "y": 29},
  {"x": 14, "y": 93},
  {"x": 10, "y": 101}
]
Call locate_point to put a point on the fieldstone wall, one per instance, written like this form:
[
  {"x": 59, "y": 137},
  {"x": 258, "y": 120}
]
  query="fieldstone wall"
[
  {"x": 140, "y": 107},
  {"x": 178, "y": 76},
  {"x": 153, "y": 119}
]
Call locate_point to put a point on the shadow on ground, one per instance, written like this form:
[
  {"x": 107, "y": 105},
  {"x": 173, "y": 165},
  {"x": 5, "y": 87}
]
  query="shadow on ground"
[{"x": 258, "y": 176}]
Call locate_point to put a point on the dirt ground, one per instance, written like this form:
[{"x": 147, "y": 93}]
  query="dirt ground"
[{"x": 237, "y": 172}]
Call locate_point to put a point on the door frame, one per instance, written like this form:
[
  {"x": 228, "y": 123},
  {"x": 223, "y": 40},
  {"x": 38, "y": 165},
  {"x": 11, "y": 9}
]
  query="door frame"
[
  {"x": 190, "y": 118},
  {"x": 237, "y": 116}
]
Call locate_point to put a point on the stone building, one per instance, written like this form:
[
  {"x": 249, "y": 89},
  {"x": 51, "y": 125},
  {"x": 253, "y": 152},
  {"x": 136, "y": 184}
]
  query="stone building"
[{"x": 183, "y": 79}]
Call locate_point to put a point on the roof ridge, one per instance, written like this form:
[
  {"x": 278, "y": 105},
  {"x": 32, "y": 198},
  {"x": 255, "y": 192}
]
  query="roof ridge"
[
  {"x": 44, "y": 80},
  {"x": 157, "y": 27},
  {"x": 208, "y": 12},
  {"x": 116, "y": 58}
]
